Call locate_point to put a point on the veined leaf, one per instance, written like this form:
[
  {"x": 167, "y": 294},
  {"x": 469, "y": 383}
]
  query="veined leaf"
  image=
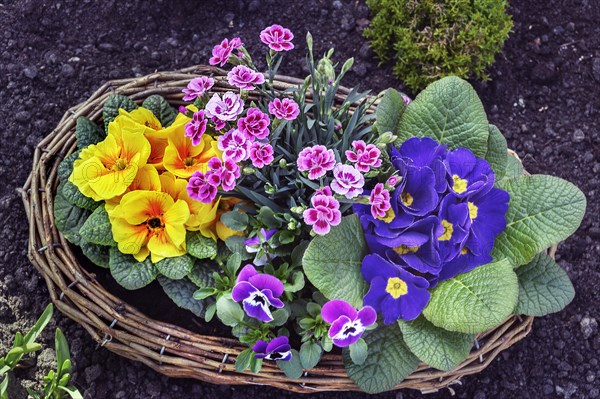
[
  {"x": 161, "y": 109},
  {"x": 496, "y": 153},
  {"x": 182, "y": 293},
  {"x": 68, "y": 218},
  {"x": 130, "y": 273},
  {"x": 175, "y": 268},
  {"x": 111, "y": 107},
  {"x": 87, "y": 132},
  {"x": 389, "y": 111},
  {"x": 97, "y": 229}
]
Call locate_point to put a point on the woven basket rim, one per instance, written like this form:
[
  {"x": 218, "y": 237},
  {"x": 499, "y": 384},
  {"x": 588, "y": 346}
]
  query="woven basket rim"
[{"x": 166, "y": 348}]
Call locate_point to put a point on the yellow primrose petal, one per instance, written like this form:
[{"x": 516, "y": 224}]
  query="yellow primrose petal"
[
  {"x": 182, "y": 158},
  {"x": 142, "y": 255},
  {"x": 85, "y": 171},
  {"x": 147, "y": 178},
  {"x": 159, "y": 245},
  {"x": 175, "y": 219},
  {"x": 142, "y": 116},
  {"x": 138, "y": 206},
  {"x": 224, "y": 232},
  {"x": 131, "y": 239}
]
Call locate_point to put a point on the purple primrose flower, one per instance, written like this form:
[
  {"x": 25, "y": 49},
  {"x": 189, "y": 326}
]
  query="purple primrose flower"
[
  {"x": 226, "y": 108},
  {"x": 244, "y": 78},
  {"x": 197, "y": 88},
  {"x": 277, "y": 38},
  {"x": 347, "y": 324},
  {"x": 277, "y": 349},
  {"x": 257, "y": 291},
  {"x": 468, "y": 174}
]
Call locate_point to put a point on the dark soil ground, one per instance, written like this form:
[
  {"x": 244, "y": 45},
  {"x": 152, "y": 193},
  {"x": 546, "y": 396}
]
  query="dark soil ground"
[{"x": 544, "y": 95}]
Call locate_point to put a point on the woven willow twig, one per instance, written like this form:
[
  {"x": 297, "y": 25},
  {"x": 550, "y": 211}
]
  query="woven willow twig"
[{"x": 166, "y": 348}]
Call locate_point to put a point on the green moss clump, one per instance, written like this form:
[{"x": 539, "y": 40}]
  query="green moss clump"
[{"x": 430, "y": 39}]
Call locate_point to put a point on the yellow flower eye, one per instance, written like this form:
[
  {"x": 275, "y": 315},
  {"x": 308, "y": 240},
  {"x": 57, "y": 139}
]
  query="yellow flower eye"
[{"x": 396, "y": 287}]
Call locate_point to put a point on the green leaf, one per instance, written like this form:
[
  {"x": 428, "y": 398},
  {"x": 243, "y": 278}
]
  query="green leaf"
[
  {"x": 71, "y": 391},
  {"x": 112, "y": 105},
  {"x": 229, "y": 312},
  {"x": 242, "y": 361},
  {"x": 98, "y": 254},
  {"x": 87, "y": 132},
  {"x": 182, "y": 293},
  {"x": 544, "y": 287},
  {"x": 75, "y": 197},
  {"x": 280, "y": 317},
  {"x": 199, "y": 246},
  {"x": 293, "y": 367},
  {"x": 436, "y": 347},
  {"x": 449, "y": 111},
  {"x": 68, "y": 218},
  {"x": 514, "y": 168},
  {"x": 236, "y": 245},
  {"x": 310, "y": 354},
  {"x": 65, "y": 167},
  {"x": 497, "y": 152},
  {"x": 389, "y": 111},
  {"x": 204, "y": 293},
  {"x": 130, "y": 273},
  {"x": 202, "y": 274},
  {"x": 175, "y": 268},
  {"x": 543, "y": 211},
  {"x": 255, "y": 365},
  {"x": 359, "y": 351},
  {"x": 297, "y": 282},
  {"x": 476, "y": 301},
  {"x": 39, "y": 325},
  {"x": 332, "y": 262},
  {"x": 30, "y": 392},
  {"x": 235, "y": 220},
  {"x": 62, "y": 351},
  {"x": 4, "y": 388},
  {"x": 267, "y": 217},
  {"x": 233, "y": 264},
  {"x": 389, "y": 361},
  {"x": 161, "y": 109},
  {"x": 97, "y": 229}
]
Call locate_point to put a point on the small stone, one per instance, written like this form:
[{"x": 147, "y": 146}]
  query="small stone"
[
  {"x": 558, "y": 30},
  {"x": 22, "y": 116},
  {"x": 155, "y": 55},
  {"x": 337, "y": 4},
  {"x": 521, "y": 102},
  {"x": 254, "y": 6},
  {"x": 570, "y": 26},
  {"x": 590, "y": 376},
  {"x": 596, "y": 69},
  {"x": 544, "y": 73},
  {"x": 347, "y": 23},
  {"x": 106, "y": 47},
  {"x": 494, "y": 109},
  {"x": 365, "y": 51},
  {"x": 529, "y": 147},
  {"x": 360, "y": 69},
  {"x": 589, "y": 326},
  {"x": 594, "y": 393},
  {"x": 548, "y": 390},
  {"x": 173, "y": 42},
  {"x": 578, "y": 136},
  {"x": 30, "y": 72},
  {"x": 594, "y": 232},
  {"x": 67, "y": 70}
]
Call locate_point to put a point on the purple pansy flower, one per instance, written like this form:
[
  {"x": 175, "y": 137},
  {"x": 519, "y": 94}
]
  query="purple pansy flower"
[
  {"x": 325, "y": 212},
  {"x": 394, "y": 292},
  {"x": 244, "y": 78},
  {"x": 200, "y": 189},
  {"x": 284, "y": 109},
  {"x": 195, "y": 128},
  {"x": 468, "y": 174},
  {"x": 254, "y": 244},
  {"x": 317, "y": 160},
  {"x": 277, "y": 349},
  {"x": 347, "y": 324},
  {"x": 277, "y": 38},
  {"x": 226, "y": 108},
  {"x": 235, "y": 145},
  {"x": 364, "y": 156},
  {"x": 257, "y": 291},
  {"x": 347, "y": 181},
  {"x": 255, "y": 124},
  {"x": 261, "y": 154},
  {"x": 197, "y": 88}
]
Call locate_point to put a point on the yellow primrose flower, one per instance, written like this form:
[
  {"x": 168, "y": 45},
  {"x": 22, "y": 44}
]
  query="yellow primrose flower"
[
  {"x": 150, "y": 222},
  {"x": 146, "y": 179},
  {"x": 202, "y": 216},
  {"x": 105, "y": 170}
]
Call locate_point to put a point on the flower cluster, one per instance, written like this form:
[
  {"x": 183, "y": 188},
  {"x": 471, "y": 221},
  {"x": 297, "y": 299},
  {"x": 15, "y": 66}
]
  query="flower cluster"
[{"x": 441, "y": 220}]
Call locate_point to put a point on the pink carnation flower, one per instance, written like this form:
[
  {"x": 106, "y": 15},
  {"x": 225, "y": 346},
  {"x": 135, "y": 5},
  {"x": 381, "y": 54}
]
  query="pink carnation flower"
[
  {"x": 197, "y": 88},
  {"x": 364, "y": 156},
  {"x": 325, "y": 212},
  {"x": 219, "y": 124},
  {"x": 380, "y": 201},
  {"x": 317, "y": 160},
  {"x": 223, "y": 173},
  {"x": 226, "y": 108},
  {"x": 324, "y": 191},
  {"x": 284, "y": 109},
  {"x": 255, "y": 124},
  {"x": 195, "y": 128},
  {"x": 200, "y": 189},
  {"x": 347, "y": 181},
  {"x": 235, "y": 145},
  {"x": 222, "y": 51},
  {"x": 245, "y": 78},
  {"x": 277, "y": 38},
  {"x": 261, "y": 154}
]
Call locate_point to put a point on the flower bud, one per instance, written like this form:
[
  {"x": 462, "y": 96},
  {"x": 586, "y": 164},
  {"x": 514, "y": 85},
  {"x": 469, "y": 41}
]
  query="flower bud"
[
  {"x": 248, "y": 170},
  {"x": 282, "y": 163},
  {"x": 269, "y": 189},
  {"x": 386, "y": 138}
]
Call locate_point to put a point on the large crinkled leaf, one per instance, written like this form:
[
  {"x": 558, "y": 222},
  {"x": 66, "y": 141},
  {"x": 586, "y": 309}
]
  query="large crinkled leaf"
[
  {"x": 514, "y": 168},
  {"x": 436, "y": 347},
  {"x": 543, "y": 211},
  {"x": 68, "y": 218},
  {"x": 111, "y": 107},
  {"x": 389, "y": 111},
  {"x": 65, "y": 167},
  {"x": 161, "y": 109},
  {"x": 449, "y": 111},
  {"x": 388, "y": 363},
  {"x": 97, "y": 229},
  {"x": 496, "y": 153},
  {"x": 544, "y": 287},
  {"x": 176, "y": 267},
  {"x": 199, "y": 246},
  {"x": 75, "y": 197},
  {"x": 202, "y": 274},
  {"x": 98, "y": 254},
  {"x": 87, "y": 132},
  {"x": 181, "y": 292},
  {"x": 476, "y": 301},
  {"x": 130, "y": 273},
  {"x": 333, "y": 262}
]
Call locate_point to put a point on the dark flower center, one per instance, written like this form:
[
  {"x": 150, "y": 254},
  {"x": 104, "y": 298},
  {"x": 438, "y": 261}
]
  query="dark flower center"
[
  {"x": 258, "y": 299},
  {"x": 155, "y": 223}
]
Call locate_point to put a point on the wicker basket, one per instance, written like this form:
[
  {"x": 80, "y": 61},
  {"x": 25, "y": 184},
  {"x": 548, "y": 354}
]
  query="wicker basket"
[{"x": 166, "y": 348}]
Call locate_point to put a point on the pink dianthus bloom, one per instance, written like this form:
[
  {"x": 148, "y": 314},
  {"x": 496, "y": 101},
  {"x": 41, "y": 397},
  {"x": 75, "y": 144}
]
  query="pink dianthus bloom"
[
  {"x": 235, "y": 145},
  {"x": 255, "y": 124},
  {"x": 325, "y": 212},
  {"x": 261, "y": 154},
  {"x": 364, "y": 156},
  {"x": 195, "y": 128},
  {"x": 222, "y": 51},
  {"x": 219, "y": 124},
  {"x": 406, "y": 99},
  {"x": 200, "y": 189},
  {"x": 324, "y": 191},
  {"x": 223, "y": 173},
  {"x": 226, "y": 108},
  {"x": 284, "y": 109},
  {"x": 277, "y": 38},
  {"x": 197, "y": 88},
  {"x": 317, "y": 160},
  {"x": 245, "y": 78},
  {"x": 380, "y": 201},
  {"x": 347, "y": 181}
]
